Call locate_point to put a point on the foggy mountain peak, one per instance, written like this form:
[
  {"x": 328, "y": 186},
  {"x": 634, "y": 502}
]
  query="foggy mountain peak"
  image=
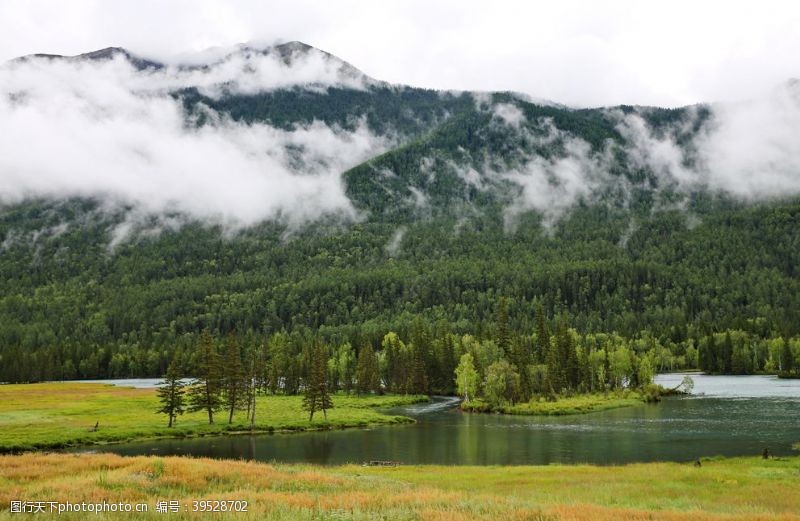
[
  {"x": 100, "y": 55},
  {"x": 253, "y": 132}
]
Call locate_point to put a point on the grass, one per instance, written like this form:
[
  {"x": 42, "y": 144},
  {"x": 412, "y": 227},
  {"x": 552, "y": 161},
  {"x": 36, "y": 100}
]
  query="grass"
[
  {"x": 55, "y": 415},
  {"x": 722, "y": 489},
  {"x": 578, "y": 404}
]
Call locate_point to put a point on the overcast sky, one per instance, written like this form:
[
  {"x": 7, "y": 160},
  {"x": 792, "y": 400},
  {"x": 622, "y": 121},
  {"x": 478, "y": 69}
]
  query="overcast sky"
[{"x": 579, "y": 53}]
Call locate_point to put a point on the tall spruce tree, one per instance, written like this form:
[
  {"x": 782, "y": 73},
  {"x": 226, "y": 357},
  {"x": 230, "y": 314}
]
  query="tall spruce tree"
[
  {"x": 171, "y": 393},
  {"x": 503, "y": 334},
  {"x": 317, "y": 396},
  {"x": 786, "y": 357},
  {"x": 542, "y": 336},
  {"x": 234, "y": 380},
  {"x": 205, "y": 391},
  {"x": 367, "y": 371}
]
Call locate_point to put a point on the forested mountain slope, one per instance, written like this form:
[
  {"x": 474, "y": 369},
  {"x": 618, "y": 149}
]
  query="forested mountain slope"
[{"x": 434, "y": 204}]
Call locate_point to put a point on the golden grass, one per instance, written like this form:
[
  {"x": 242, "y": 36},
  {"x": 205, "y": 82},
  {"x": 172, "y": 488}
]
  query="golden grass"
[
  {"x": 722, "y": 489},
  {"x": 53, "y": 415}
]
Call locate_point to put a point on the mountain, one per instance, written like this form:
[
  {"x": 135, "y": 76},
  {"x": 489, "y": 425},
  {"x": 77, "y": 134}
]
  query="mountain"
[{"x": 278, "y": 188}]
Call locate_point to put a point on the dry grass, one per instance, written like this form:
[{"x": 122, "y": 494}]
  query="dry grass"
[{"x": 726, "y": 489}]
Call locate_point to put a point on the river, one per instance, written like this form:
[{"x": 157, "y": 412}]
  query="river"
[{"x": 727, "y": 415}]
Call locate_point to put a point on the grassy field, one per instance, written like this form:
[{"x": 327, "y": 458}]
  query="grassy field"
[
  {"x": 53, "y": 415},
  {"x": 578, "y": 404},
  {"x": 722, "y": 489}
]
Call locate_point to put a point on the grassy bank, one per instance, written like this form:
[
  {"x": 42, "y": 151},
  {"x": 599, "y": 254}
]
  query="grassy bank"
[
  {"x": 725, "y": 489},
  {"x": 578, "y": 404},
  {"x": 52, "y": 415}
]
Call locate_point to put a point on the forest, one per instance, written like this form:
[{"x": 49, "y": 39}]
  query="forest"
[{"x": 692, "y": 279}]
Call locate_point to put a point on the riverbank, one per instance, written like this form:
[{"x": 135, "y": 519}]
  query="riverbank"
[
  {"x": 563, "y": 406},
  {"x": 57, "y": 415},
  {"x": 720, "y": 489}
]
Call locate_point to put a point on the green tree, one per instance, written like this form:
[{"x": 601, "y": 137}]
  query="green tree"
[
  {"x": 171, "y": 393},
  {"x": 367, "y": 371},
  {"x": 645, "y": 372},
  {"x": 787, "y": 357},
  {"x": 503, "y": 329},
  {"x": 205, "y": 391},
  {"x": 234, "y": 379},
  {"x": 501, "y": 383},
  {"x": 466, "y": 377},
  {"x": 317, "y": 396}
]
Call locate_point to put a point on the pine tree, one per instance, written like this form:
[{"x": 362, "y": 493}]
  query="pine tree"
[
  {"x": 503, "y": 333},
  {"x": 420, "y": 354},
  {"x": 568, "y": 356},
  {"x": 171, "y": 393},
  {"x": 257, "y": 381},
  {"x": 397, "y": 363},
  {"x": 726, "y": 359},
  {"x": 555, "y": 369},
  {"x": 542, "y": 337},
  {"x": 205, "y": 392},
  {"x": 787, "y": 357},
  {"x": 367, "y": 372},
  {"x": 520, "y": 356},
  {"x": 317, "y": 396},
  {"x": 234, "y": 377}
]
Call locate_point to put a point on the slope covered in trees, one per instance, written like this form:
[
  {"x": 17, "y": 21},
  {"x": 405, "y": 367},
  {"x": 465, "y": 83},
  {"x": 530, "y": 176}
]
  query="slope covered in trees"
[{"x": 446, "y": 228}]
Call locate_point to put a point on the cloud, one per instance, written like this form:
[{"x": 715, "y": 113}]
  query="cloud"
[
  {"x": 509, "y": 113},
  {"x": 748, "y": 150},
  {"x": 575, "y": 52},
  {"x": 751, "y": 149},
  {"x": 552, "y": 185},
  {"x": 105, "y": 129},
  {"x": 392, "y": 247}
]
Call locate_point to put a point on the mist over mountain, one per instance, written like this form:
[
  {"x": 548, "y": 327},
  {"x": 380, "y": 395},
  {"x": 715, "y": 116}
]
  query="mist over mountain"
[
  {"x": 270, "y": 187},
  {"x": 289, "y": 132}
]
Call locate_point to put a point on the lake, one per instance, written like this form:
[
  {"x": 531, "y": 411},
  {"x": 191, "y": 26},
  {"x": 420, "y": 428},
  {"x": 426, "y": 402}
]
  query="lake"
[{"x": 727, "y": 415}]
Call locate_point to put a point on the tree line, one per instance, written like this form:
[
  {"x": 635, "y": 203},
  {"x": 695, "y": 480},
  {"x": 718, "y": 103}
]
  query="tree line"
[{"x": 504, "y": 367}]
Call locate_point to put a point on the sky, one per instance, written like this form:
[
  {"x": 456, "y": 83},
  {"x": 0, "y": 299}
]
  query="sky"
[{"x": 579, "y": 53}]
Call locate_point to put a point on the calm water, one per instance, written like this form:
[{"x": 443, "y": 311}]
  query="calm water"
[{"x": 728, "y": 416}]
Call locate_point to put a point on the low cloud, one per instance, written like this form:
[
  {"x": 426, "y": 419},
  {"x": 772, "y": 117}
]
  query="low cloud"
[
  {"x": 392, "y": 247},
  {"x": 748, "y": 150},
  {"x": 105, "y": 129},
  {"x": 752, "y": 149}
]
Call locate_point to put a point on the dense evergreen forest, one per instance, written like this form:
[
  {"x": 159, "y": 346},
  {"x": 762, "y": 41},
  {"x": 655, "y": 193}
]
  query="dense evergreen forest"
[{"x": 692, "y": 279}]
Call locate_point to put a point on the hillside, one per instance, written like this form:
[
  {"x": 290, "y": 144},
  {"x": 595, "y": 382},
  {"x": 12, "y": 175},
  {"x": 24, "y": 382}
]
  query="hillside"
[{"x": 321, "y": 201}]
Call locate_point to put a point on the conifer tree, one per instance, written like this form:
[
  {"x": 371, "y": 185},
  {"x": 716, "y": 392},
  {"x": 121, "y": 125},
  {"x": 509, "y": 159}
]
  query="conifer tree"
[
  {"x": 205, "y": 391},
  {"x": 503, "y": 333},
  {"x": 234, "y": 377},
  {"x": 367, "y": 371},
  {"x": 317, "y": 396},
  {"x": 786, "y": 357},
  {"x": 171, "y": 393},
  {"x": 542, "y": 336}
]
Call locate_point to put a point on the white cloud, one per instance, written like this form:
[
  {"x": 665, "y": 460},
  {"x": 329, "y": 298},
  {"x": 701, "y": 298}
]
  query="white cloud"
[
  {"x": 104, "y": 129},
  {"x": 509, "y": 113},
  {"x": 749, "y": 150},
  {"x": 553, "y": 185},
  {"x": 577, "y": 52},
  {"x": 752, "y": 149},
  {"x": 392, "y": 247}
]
